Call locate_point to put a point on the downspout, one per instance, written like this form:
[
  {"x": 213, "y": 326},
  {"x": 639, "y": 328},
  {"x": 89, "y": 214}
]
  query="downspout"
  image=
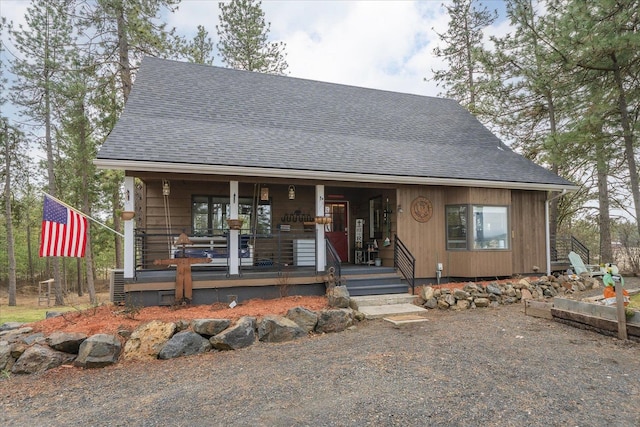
[{"x": 547, "y": 231}]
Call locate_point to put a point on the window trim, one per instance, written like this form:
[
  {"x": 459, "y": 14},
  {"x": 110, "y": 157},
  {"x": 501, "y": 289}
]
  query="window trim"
[
  {"x": 470, "y": 228},
  {"x": 225, "y": 201}
]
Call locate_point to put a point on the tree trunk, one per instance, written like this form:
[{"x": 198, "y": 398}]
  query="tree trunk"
[
  {"x": 9, "y": 225},
  {"x": 628, "y": 139},
  {"x": 604, "y": 220},
  {"x": 123, "y": 51},
  {"x": 50, "y": 164}
]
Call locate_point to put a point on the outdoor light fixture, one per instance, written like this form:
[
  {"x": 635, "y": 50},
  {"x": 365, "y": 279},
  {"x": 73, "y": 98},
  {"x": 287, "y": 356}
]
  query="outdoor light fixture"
[
  {"x": 292, "y": 192},
  {"x": 400, "y": 209},
  {"x": 166, "y": 189}
]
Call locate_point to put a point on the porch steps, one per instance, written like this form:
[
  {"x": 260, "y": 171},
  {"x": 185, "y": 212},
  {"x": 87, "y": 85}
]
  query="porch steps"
[
  {"x": 385, "y": 306},
  {"x": 361, "y": 281}
]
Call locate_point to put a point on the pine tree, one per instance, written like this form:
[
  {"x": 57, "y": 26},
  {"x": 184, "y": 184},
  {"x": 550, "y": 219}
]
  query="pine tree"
[
  {"x": 43, "y": 45},
  {"x": 200, "y": 49},
  {"x": 244, "y": 41},
  {"x": 463, "y": 51}
]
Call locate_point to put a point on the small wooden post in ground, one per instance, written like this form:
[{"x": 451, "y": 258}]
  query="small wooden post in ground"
[{"x": 622, "y": 319}]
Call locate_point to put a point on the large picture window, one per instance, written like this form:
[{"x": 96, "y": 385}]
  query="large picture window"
[
  {"x": 209, "y": 215},
  {"x": 477, "y": 227}
]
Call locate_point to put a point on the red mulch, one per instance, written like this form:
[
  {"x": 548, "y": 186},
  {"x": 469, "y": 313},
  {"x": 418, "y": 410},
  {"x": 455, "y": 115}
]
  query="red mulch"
[{"x": 108, "y": 319}]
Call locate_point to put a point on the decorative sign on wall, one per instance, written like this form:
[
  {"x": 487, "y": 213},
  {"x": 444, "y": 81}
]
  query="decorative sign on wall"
[{"x": 421, "y": 209}]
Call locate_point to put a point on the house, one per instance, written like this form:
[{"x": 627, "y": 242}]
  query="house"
[{"x": 322, "y": 176}]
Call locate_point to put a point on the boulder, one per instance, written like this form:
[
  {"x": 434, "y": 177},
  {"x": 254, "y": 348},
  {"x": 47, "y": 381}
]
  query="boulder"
[
  {"x": 443, "y": 304},
  {"x": 9, "y": 326},
  {"x": 494, "y": 289},
  {"x": 426, "y": 293},
  {"x": 97, "y": 351},
  {"x": 6, "y": 360},
  {"x": 481, "y": 302},
  {"x": 463, "y": 304},
  {"x": 431, "y": 303},
  {"x": 209, "y": 327},
  {"x": 338, "y": 296},
  {"x": 334, "y": 320},
  {"x": 450, "y": 299},
  {"x": 184, "y": 343},
  {"x": 279, "y": 329},
  {"x": 68, "y": 342},
  {"x": 303, "y": 317},
  {"x": 39, "y": 358},
  {"x": 148, "y": 339},
  {"x": 526, "y": 294},
  {"x": 241, "y": 335},
  {"x": 34, "y": 338},
  {"x": 510, "y": 291},
  {"x": 50, "y": 314},
  {"x": 471, "y": 287},
  {"x": 13, "y": 335},
  {"x": 461, "y": 294}
]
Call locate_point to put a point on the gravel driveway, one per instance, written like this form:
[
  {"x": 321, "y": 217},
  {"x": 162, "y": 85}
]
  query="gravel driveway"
[{"x": 489, "y": 367}]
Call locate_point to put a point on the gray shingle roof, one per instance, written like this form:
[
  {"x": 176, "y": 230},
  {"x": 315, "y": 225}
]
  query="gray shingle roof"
[{"x": 196, "y": 114}]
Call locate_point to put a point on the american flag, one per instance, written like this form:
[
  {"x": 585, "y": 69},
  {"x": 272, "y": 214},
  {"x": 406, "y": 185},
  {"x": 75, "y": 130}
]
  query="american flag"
[{"x": 64, "y": 231}]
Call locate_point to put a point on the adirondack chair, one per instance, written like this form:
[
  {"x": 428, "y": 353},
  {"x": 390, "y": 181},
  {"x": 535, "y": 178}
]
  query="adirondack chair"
[{"x": 579, "y": 266}]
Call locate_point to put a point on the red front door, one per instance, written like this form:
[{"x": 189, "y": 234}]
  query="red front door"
[{"x": 338, "y": 230}]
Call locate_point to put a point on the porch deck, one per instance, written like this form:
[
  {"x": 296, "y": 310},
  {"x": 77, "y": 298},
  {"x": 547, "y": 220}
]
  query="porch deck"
[{"x": 211, "y": 285}]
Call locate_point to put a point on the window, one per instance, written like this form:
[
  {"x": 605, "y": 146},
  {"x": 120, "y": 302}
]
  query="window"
[
  {"x": 456, "y": 227},
  {"x": 209, "y": 215},
  {"x": 488, "y": 227}
]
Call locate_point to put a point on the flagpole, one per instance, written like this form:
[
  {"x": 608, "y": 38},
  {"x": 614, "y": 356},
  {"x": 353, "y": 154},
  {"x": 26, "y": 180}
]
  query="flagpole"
[{"x": 84, "y": 215}]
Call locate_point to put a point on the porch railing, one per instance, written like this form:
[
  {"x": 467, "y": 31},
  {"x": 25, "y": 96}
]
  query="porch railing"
[
  {"x": 275, "y": 251},
  {"x": 333, "y": 261},
  {"x": 405, "y": 262},
  {"x": 562, "y": 245}
]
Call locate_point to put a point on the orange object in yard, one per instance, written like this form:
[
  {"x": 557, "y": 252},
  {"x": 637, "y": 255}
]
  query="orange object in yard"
[{"x": 610, "y": 292}]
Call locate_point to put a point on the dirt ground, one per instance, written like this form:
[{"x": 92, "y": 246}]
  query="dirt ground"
[{"x": 489, "y": 367}]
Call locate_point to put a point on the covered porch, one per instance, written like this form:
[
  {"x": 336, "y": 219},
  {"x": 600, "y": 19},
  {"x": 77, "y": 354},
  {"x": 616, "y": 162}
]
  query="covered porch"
[{"x": 284, "y": 236}]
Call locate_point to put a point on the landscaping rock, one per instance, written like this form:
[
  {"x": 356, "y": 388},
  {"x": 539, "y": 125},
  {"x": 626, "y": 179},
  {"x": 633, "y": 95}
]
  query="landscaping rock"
[
  {"x": 304, "y": 318},
  {"x": 13, "y": 335},
  {"x": 148, "y": 339},
  {"x": 184, "y": 343},
  {"x": 494, "y": 289},
  {"x": 98, "y": 351},
  {"x": 279, "y": 329},
  {"x": 9, "y": 326},
  {"x": 481, "y": 302},
  {"x": 68, "y": 342},
  {"x": 50, "y": 314},
  {"x": 338, "y": 296},
  {"x": 34, "y": 338},
  {"x": 6, "y": 360},
  {"x": 461, "y": 294},
  {"x": 209, "y": 327},
  {"x": 239, "y": 336},
  {"x": 426, "y": 293},
  {"x": 334, "y": 320},
  {"x": 431, "y": 303},
  {"x": 39, "y": 358}
]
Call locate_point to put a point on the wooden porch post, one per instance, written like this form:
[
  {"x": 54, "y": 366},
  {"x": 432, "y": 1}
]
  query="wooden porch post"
[
  {"x": 321, "y": 246},
  {"x": 129, "y": 225},
  {"x": 234, "y": 260}
]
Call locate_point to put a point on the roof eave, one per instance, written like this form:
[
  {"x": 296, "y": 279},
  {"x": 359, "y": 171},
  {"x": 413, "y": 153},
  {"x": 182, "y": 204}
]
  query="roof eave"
[{"x": 321, "y": 175}]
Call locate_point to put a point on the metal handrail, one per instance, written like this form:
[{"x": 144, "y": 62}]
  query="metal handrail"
[
  {"x": 404, "y": 261},
  {"x": 562, "y": 245},
  {"x": 333, "y": 260}
]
